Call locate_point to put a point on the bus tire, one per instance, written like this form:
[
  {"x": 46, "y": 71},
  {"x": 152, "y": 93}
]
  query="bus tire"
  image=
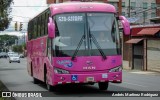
[
  {"x": 103, "y": 85},
  {"x": 49, "y": 87},
  {"x": 31, "y": 69},
  {"x": 91, "y": 83}
]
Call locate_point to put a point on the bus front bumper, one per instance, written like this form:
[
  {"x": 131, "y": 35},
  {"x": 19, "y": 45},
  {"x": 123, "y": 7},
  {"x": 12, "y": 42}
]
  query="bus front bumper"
[{"x": 114, "y": 77}]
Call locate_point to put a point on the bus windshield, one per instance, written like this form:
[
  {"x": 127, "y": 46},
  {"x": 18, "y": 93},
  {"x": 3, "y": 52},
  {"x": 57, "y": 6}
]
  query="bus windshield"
[{"x": 88, "y": 34}]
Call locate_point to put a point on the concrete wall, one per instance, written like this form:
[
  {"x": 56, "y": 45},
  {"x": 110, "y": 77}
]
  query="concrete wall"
[{"x": 153, "y": 55}]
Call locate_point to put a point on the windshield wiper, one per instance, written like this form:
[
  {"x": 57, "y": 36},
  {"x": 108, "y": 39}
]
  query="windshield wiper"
[
  {"x": 77, "y": 49},
  {"x": 97, "y": 45}
]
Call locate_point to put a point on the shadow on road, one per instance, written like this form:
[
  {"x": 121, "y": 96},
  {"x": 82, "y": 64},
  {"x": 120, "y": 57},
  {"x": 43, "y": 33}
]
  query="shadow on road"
[
  {"x": 75, "y": 90},
  {"x": 5, "y": 69}
]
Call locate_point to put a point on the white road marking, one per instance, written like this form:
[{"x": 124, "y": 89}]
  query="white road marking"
[{"x": 134, "y": 84}]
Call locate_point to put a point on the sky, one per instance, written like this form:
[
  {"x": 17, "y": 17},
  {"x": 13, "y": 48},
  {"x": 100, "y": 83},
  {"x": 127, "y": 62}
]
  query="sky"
[{"x": 22, "y": 13}]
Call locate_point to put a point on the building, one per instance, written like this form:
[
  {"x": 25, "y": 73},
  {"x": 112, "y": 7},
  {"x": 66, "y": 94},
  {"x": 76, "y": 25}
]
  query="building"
[
  {"x": 157, "y": 18},
  {"x": 144, "y": 48},
  {"x": 149, "y": 15},
  {"x": 158, "y": 10},
  {"x": 139, "y": 10}
]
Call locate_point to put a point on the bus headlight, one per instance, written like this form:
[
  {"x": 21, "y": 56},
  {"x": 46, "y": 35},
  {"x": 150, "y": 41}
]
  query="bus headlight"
[
  {"x": 117, "y": 69},
  {"x": 60, "y": 71}
]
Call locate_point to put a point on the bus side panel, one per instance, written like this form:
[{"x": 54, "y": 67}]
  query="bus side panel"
[
  {"x": 29, "y": 58},
  {"x": 37, "y": 53},
  {"x": 30, "y": 55}
]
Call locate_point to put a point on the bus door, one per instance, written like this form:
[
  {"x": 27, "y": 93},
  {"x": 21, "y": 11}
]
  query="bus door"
[{"x": 49, "y": 43}]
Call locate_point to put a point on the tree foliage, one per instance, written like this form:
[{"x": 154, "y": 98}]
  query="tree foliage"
[
  {"x": 18, "y": 48},
  {"x": 4, "y": 14},
  {"x": 7, "y": 40}
]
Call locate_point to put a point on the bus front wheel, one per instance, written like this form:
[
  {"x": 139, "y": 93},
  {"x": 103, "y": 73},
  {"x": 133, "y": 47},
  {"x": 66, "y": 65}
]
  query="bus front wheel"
[
  {"x": 49, "y": 87},
  {"x": 103, "y": 85}
]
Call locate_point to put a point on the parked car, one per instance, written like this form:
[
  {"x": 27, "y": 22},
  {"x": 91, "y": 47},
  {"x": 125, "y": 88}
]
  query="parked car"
[
  {"x": 10, "y": 53},
  {"x": 3, "y": 55},
  {"x": 14, "y": 58},
  {"x": 21, "y": 55}
]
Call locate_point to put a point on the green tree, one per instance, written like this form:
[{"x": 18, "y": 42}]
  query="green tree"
[
  {"x": 24, "y": 46},
  {"x": 4, "y": 14},
  {"x": 7, "y": 40},
  {"x": 15, "y": 48},
  {"x": 18, "y": 48}
]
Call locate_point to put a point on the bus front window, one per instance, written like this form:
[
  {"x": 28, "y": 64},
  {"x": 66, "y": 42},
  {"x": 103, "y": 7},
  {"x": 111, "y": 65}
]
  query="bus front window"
[
  {"x": 104, "y": 28},
  {"x": 94, "y": 34},
  {"x": 70, "y": 30}
]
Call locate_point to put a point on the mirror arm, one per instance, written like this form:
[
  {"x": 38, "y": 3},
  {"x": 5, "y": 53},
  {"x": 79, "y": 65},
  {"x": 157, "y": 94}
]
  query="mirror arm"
[{"x": 125, "y": 24}]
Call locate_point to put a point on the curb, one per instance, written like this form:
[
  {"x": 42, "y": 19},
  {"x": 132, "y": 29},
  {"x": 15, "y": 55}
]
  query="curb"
[
  {"x": 142, "y": 72},
  {"x": 3, "y": 88}
]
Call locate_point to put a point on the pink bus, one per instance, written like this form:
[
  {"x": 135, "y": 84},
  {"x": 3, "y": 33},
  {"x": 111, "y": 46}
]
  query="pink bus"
[{"x": 76, "y": 43}]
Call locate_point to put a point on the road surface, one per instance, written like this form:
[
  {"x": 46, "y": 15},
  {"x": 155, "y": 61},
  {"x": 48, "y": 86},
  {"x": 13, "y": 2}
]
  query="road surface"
[{"x": 15, "y": 77}]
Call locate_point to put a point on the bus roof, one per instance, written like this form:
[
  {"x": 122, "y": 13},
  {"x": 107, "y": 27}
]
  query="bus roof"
[{"x": 81, "y": 7}]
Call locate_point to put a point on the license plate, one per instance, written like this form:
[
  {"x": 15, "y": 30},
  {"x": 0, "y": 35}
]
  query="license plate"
[
  {"x": 104, "y": 75},
  {"x": 90, "y": 79}
]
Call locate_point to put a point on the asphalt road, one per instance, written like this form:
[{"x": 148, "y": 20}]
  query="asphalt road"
[{"x": 15, "y": 77}]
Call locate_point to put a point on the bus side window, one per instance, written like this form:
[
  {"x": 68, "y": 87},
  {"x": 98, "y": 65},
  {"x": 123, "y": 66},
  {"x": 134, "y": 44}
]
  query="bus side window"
[
  {"x": 29, "y": 30},
  {"x": 35, "y": 29},
  {"x": 46, "y": 22},
  {"x": 39, "y": 26},
  {"x": 42, "y": 24}
]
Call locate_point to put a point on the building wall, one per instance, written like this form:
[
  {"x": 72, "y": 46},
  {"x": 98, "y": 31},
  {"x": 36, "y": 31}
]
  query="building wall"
[
  {"x": 153, "y": 55},
  {"x": 137, "y": 10},
  {"x": 158, "y": 10},
  {"x": 126, "y": 48}
]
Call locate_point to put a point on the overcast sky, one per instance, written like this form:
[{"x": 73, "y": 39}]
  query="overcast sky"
[{"x": 18, "y": 13}]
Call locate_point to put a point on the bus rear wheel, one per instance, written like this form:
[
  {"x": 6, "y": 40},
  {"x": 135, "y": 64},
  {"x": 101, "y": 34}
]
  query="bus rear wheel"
[
  {"x": 103, "y": 85},
  {"x": 35, "y": 81}
]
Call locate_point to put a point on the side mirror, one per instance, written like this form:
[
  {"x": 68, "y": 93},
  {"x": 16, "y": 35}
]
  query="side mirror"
[
  {"x": 51, "y": 28},
  {"x": 125, "y": 24}
]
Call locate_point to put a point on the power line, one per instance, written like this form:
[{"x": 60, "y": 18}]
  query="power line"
[{"x": 142, "y": 11}]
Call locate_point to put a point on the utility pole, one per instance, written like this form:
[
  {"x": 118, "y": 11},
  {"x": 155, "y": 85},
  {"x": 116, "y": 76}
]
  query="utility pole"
[
  {"x": 120, "y": 7},
  {"x": 129, "y": 8}
]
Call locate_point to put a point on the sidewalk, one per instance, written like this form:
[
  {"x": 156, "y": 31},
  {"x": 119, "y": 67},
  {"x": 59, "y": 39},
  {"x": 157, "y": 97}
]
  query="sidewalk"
[
  {"x": 127, "y": 68},
  {"x": 143, "y": 72}
]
